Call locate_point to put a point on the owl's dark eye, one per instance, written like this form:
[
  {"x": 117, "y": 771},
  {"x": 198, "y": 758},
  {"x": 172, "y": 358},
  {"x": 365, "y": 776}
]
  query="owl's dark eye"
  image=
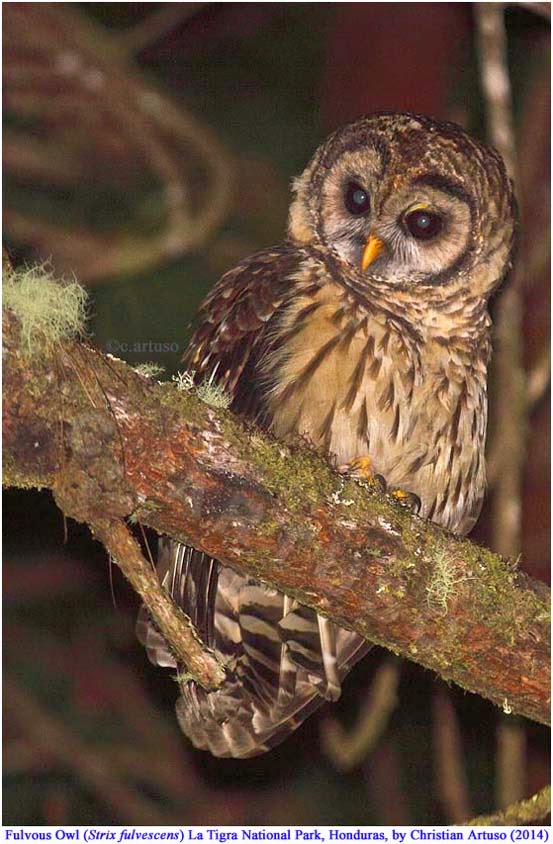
[
  {"x": 423, "y": 225},
  {"x": 356, "y": 199}
]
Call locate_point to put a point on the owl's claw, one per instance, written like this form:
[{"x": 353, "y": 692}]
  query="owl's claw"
[
  {"x": 409, "y": 500},
  {"x": 362, "y": 468},
  {"x": 381, "y": 481}
]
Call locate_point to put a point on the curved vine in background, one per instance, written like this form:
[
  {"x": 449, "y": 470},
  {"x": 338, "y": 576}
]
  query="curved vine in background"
[{"x": 81, "y": 120}]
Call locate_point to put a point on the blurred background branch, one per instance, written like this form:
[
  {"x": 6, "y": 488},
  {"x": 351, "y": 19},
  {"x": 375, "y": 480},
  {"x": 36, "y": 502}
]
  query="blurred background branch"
[
  {"x": 511, "y": 405},
  {"x": 83, "y": 123},
  {"x": 348, "y": 749}
]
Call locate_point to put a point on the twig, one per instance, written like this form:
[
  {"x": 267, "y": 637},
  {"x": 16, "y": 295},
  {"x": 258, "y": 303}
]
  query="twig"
[
  {"x": 533, "y": 253},
  {"x": 494, "y": 77},
  {"x": 511, "y": 420},
  {"x": 538, "y": 382},
  {"x": 347, "y": 749},
  {"x": 532, "y": 265},
  {"x": 82, "y": 90},
  {"x": 528, "y": 812},
  {"x": 157, "y": 760},
  {"x": 450, "y": 778},
  {"x": 174, "y": 625}
]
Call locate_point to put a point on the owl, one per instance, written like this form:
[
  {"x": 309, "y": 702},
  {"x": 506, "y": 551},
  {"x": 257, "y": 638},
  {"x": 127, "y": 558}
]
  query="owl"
[{"x": 367, "y": 333}]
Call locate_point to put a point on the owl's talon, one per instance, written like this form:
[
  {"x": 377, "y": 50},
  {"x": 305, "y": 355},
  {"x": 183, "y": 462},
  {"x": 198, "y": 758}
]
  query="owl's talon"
[
  {"x": 361, "y": 467},
  {"x": 381, "y": 481},
  {"x": 409, "y": 500}
]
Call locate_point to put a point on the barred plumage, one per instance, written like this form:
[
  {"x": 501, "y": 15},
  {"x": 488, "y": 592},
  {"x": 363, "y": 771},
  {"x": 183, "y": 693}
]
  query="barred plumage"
[{"x": 370, "y": 338}]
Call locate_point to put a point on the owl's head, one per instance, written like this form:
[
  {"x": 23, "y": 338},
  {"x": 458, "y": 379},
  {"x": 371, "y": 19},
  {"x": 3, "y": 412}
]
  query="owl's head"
[{"x": 406, "y": 201}]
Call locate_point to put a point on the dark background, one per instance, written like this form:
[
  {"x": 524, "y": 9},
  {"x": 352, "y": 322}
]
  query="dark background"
[{"x": 94, "y": 188}]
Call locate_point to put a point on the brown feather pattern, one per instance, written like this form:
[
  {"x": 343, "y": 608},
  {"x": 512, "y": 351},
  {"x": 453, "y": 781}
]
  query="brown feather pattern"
[{"x": 389, "y": 365}]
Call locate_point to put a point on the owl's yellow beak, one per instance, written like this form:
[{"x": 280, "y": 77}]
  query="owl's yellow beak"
[{"x": 372, "y": 250}]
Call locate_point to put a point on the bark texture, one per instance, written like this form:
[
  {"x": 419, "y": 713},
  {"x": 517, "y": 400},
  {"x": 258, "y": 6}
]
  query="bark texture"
[{"x": 114, "y": 445}]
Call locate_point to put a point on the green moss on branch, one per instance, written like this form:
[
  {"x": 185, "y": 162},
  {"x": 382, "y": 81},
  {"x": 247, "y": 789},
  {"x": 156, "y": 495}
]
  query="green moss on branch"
[{"x": 113, "y": 444}]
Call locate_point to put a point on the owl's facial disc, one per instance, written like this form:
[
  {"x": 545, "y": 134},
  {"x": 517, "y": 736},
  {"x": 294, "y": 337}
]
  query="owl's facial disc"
[
  {"x": 427, "y": 226},
  {"x": 405, "y": 201},
  {"x": 401, "y": 230},
  {"x": 414, "y": 239}
]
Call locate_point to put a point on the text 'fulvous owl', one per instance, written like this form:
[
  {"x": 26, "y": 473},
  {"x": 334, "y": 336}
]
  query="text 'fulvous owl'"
[{"x": 366, "y": 332}]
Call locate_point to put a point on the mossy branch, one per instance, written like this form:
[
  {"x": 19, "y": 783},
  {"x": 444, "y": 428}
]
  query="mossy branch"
[
  {"x": 114, "y": 445},
  {"x": 523, "y": 813}
]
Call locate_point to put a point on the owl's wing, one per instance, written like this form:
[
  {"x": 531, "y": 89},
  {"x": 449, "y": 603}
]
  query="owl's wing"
[
  {"x": 282, "y": 659},
  {"x": 235, "y": 325}
]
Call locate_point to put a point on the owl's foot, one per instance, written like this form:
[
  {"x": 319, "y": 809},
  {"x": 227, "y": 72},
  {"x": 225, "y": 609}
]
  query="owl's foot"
[
  {"x": 409, "y": 500},
  {"x": 362, "y": 468}
]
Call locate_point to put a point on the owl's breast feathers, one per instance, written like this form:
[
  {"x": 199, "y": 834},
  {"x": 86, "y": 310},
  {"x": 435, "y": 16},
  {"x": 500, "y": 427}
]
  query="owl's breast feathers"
[{"x": 302, "y": 354}]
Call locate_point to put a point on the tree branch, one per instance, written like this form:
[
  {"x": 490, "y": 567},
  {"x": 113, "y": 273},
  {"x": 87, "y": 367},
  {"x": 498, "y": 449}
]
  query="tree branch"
[
  {"x": 114, "y": 445},
  {"x": 525, "y": 812}
]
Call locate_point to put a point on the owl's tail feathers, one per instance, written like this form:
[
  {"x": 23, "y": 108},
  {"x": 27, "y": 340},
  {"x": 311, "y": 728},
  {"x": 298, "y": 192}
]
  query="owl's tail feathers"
[
  {"x": 234, "y": 726},
  {"x": 237, "y": 723},
  {"x": 261, "y": 704},
  {"x": 282, "y": 660}
]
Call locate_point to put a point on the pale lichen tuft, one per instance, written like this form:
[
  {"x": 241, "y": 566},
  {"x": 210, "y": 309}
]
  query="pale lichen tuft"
[
  {"x": 49, "y": 310},
  {"x": 213, "y": 394},
  {"x": 149, "y": 370},
  {"x": 443, "y": 580},
  {"x": 184, "y": 380}
]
